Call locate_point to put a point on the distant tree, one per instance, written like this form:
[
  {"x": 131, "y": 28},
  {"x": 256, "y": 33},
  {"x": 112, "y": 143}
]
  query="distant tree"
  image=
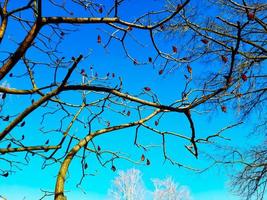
[
  {"x": 167, "y": 189},
  {"x": 129, "y": 185},
  {"x": 250, "y": 181}
]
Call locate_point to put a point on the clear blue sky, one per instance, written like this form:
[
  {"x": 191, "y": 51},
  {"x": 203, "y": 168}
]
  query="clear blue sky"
[{"x": 211, "y": 185}]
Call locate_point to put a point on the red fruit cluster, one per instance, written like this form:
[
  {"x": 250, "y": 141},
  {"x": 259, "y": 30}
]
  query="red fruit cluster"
[
  {"x": 244, "y": 77},
  {"x": 205, "y": 41},
  {"x": 160, "y": 71},
  {"x": 142, "y": 157},
  {"x": 224, "y": 59},
  {"x": 98, "y": 39},
  {"x": 189, "y": 69},
  {"x": 224, "y": 109},
  {"x": 174, "y": 49},
  {"x": 147, "y": 89},
  {"x": 128, "y": 113},
  {"x": 251, "y": 16},
  {"x": 113, "y": 168}
]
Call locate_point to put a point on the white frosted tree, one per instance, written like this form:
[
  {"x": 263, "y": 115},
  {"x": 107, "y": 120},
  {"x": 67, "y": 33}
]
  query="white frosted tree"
[
  {"x": 167, "y": 189},
  {"x": 128, "y": 186}
]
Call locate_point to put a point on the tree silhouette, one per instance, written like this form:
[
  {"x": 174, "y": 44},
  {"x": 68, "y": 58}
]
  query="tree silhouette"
[{"x": 219, "y": 59}]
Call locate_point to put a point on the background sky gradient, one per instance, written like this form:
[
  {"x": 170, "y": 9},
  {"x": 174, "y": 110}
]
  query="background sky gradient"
[{"x": 209, "y": 185}]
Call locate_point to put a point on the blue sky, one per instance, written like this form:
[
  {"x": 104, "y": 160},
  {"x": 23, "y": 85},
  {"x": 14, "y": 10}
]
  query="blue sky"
[{"x": 211, "y": 185}]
